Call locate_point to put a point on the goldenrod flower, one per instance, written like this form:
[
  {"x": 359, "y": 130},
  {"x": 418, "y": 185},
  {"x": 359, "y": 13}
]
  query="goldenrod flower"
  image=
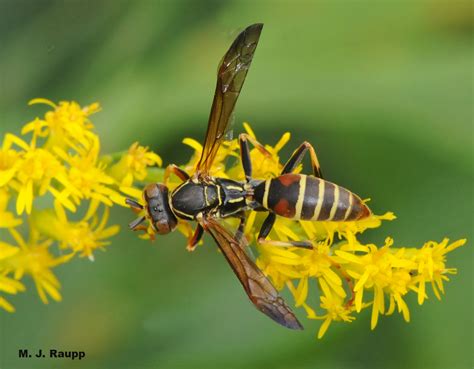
[
  {"x": 63, "y": 158},
  {"x": 84, "y": 236},
  {"x": 87, "y": 174},
  {"x": 35, "y": 169},
  {"x": 228, "y": 148},
  {"x": 34, "y": 259},
  {"x": 336, "y": 309},
  {"x": 67, "y": 126},
  {"x": 350, "y": 275},
  {"x": 9, "y": 160},
  {"x": 430, "y": 266},
  {"x": 8, "y": 284},
  {"x": 134, "y": 165}
]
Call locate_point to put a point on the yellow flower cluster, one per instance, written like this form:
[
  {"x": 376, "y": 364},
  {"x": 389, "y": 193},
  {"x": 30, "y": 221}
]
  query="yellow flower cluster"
[
  {"x": 58, "y": 180},
  {"x": 350, "y": 276},
  {"x": 53, "y": 173}
]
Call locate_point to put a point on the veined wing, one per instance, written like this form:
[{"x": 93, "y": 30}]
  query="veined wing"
[
  {"x": 230, "y": 79},
  {"x": 258, "y": 288}
]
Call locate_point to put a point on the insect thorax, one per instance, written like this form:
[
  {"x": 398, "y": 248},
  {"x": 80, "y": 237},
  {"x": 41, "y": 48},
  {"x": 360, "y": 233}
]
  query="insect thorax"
[{"x": 192, "y": 198}]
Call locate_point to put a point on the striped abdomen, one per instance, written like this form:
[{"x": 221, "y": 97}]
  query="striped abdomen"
[{"x": 299, "y": 196}]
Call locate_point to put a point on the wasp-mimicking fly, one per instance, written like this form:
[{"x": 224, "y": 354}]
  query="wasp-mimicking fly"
[{"x": 207, "y": 199}]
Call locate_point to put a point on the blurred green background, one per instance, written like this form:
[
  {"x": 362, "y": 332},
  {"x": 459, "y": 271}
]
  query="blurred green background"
[{"x": 384, "y": 90}]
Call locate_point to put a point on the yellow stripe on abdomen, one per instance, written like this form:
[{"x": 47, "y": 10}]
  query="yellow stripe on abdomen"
[
  {"x": 265, "y": 194},
  {"x": 319, "y": 203},
  {"x": 335, "y": 203},
  {"x": 299, "y": 202}
]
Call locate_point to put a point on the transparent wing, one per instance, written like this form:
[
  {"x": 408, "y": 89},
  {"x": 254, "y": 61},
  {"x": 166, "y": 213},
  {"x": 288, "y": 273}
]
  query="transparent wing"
[
  {"x": 230, "y": 79},
  {"x": 258, "y": 288}
]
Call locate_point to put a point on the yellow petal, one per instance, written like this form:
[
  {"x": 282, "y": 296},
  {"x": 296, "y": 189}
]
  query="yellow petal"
[
  {"x": 6, "y": 176},
  {"x": 358, "y": 300},
  {"x": 348, "y": 256},
  {"x": 29, "y": 196},
  {"x": 324, "y": 327},
  {"x": 282, "y": 142},
  {"x": 6, "y": 305},
  {"x": 249, "y": 130},
  {"x": 375, "y": 316},
  {"x": 40, "y": 100},
  {"x": 301, "y": 292},
  {"x": 51, "y": 290},
  {"x": 360, "y": 283},
  {"x": 131, "y": 191},
  {"x": 7, "y": 250},
  {"x": 193, "y": 144},
  {"x": 421, "y": 292},
  {"x": 286, "y": 261}
]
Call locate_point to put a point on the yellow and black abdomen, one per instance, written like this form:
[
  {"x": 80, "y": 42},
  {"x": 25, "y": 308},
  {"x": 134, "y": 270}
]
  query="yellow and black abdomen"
[{"x": 298, "y": 196}]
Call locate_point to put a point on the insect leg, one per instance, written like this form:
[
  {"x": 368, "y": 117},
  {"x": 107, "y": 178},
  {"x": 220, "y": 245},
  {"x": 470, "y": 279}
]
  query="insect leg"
[
  {"x": 196, "y": 237},
  {"x": 267, "y": 227},
  {"x": 255, "y": 143},
  {"x": 298, "y": 155},
  {"x": 240, "y": 230},
  {"x": 144, "y": 229},
  {"x": 177, "y": 171},
  {"x": 245, "y": 157},
  {"x": 301, "y": 244}
]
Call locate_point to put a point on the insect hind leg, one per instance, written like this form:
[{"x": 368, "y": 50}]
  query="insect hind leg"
[
  {"x": 265, "y": 231},
  {"x": 298, "y": 156}
]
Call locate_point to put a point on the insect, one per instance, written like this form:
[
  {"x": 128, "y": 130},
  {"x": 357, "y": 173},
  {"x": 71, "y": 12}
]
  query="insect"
[{"x": 207, "y": 199}]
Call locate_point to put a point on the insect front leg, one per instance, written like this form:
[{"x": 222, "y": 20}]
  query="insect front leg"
[
  {"x": 177, "y": 171},
  {"x": 195, "y": 238},
  {"x": 144, "y": 228},
  {"x": 298, "y": 156}
]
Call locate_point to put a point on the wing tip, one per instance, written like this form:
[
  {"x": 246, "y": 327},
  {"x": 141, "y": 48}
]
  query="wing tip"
[
  {"x": 279, "y": 313},
  {"x": 289, "y": 321},
  {"x": 256, "y": 26},
  {"x": 294, "y": 324}
]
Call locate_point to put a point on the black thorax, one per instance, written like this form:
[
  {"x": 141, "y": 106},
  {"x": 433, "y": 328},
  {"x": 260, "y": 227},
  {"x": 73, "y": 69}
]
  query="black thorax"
[{"x": 220, "y": 196}]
